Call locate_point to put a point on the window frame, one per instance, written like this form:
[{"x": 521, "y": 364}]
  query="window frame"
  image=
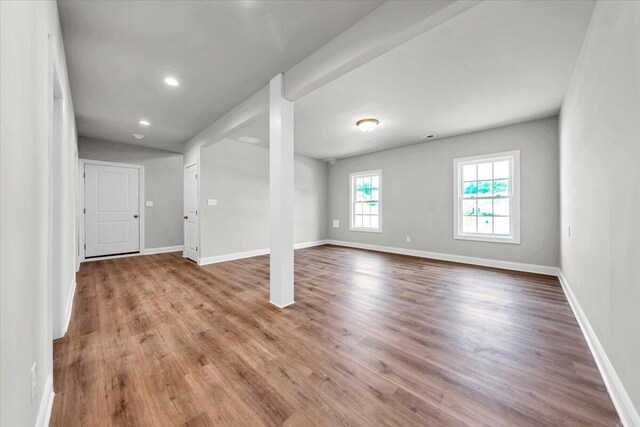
[
  {"x": 514, "y": 198},
  {"x": 352, "y": 197}
]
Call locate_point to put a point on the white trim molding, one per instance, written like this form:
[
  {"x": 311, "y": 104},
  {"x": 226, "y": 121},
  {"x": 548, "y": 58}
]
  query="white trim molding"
[
  {"x": 69, "y": 307},
  {"x": 257, "y": 252},
  {"x": 46, "y": 404},
  {"x": 163, "y": 250},
  {"x": 485, "y": 262},
  {"x": 626, "y": 411}
]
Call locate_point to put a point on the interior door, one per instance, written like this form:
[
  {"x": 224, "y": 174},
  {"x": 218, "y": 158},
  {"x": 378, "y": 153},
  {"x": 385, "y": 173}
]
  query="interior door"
[
  {"x": 112, "y": 210},
  {"x": 191, "y": 212}
]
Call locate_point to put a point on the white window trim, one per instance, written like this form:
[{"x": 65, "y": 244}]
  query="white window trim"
[
  {"x": 352, "y": 195},
  {"x": 514, "y": 237}
]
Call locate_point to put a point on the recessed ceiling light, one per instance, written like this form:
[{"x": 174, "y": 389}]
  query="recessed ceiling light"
[
  {"x": 248, "y": 139},
  {"x": 367, "y": 125},
  {"x": 137, "y": 136},
  {"x": 144, "y": 122},
  {"x": 171, "y": 81}
]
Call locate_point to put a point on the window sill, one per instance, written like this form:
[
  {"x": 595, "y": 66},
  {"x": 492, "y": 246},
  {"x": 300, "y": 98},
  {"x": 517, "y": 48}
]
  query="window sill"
[
  {"x": 365, "y": 230},
  {"x": 487, "y": 238}
]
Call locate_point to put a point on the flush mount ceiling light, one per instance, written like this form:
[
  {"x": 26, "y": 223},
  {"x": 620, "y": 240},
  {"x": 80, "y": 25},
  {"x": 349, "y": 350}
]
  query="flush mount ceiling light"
[
  {"x": 144, "y": 122},
  {"x": 171, "y": 81},
  {"x": 137, "y": 136},
  {"x": 367, "y": 125}
]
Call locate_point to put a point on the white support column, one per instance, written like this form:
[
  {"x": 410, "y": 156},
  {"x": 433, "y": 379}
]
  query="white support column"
[{"x": 281, "y": 193}]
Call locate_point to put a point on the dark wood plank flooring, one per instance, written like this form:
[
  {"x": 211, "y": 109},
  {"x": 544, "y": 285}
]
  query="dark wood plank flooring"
[{"x": 373, "y": 339}]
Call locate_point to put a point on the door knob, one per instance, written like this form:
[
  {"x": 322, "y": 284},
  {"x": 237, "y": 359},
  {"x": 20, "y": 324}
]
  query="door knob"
[{"x": 135, "y": 216}]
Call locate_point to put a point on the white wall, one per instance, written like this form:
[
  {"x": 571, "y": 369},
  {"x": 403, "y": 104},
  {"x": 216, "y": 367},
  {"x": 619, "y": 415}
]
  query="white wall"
[
  {"x": 600, "y": 186},
  {"x": 24, "y": 157},
  {"x": 237, "y": 176},
  {"x": 163, "y": 182},
  {"x": 417, "y": 190}
]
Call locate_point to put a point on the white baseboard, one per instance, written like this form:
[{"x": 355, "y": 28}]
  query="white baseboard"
[
  {"x": 69, "y": 306},
  {"x": 507, "y": 265},
  {"x": 163, "y": 250},
  {"x": 46, "y": 403},
  {"x": 256, "y": 252},
  {"x": 628, "y": 413}
]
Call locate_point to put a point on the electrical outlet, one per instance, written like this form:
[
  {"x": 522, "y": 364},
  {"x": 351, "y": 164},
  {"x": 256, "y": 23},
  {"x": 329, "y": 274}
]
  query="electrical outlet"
[
  {"x": 34, "y": 381},
  {"x": 149, "y": 203},
  {"x": 408, "y": 239},
  {"x": 336, "y": 223},
  {"x": 212, "y": 202}
]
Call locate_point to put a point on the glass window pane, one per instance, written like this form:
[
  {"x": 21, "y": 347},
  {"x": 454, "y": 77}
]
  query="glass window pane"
[
  {"x": 485, "y": 225},
  {"x": 470, "y": 189},
  {"x": 501, "y": 207},
  {"x": 367, "y": 188},
  {"x": 485, "y": 171},
  {"x": 366, "y": 208},
  {"x": 501, "y": 169},
  {"x": 501, "y": 225},
  {"x": 359, "y": 195},
  {"x": 375, "y": 181},
  {"x": 374, "y": 221},
  {"x": 366, "y": 221},
  {"x": 501, "y": 187},
  {"x": 485, "y": 207},
  {"x": 358, "y": 221},
  {"x": 469, "y": 224},
  {"x": 375, "y": 194},
  {"x": 484, "y": 188},
  {"x": 358, "y": 208},
  {"x": 469, "y": 207},
  {"x": 374, "y": 208},
  {"x": 469, "y": 173}
]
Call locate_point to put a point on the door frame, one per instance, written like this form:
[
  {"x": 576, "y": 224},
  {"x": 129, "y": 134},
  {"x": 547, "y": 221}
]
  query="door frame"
[
  {"x": 81, "y": 207},
  {"x": 184, "y": 208}
]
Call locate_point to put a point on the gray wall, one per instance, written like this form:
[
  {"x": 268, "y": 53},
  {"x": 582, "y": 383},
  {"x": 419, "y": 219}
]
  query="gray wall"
[
  {"x": 237, "y": 175},
  {"x": 163, "y": 185},
  {"x": 25, "y": 302},
  {"x": 418, "y": 194},
  {"x": 600, "y": 185}
]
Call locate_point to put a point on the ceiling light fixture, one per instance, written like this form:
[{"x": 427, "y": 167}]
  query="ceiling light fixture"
[
  {"x": 144, "y": 122},
  {"x": 367, "y": 125},
  {"x": 171, "y": 81},
  {"x": 137, "y": 136}
]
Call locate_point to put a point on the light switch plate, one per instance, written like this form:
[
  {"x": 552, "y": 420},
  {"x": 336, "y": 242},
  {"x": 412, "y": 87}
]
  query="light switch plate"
[
  {"x": 149, "y": 203},
  {"x": 336, "y": 223},
  {"x": 212, "y": 202}
]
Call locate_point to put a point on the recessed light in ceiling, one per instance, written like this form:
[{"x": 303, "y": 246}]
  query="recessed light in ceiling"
[
  {"x": 248, "y": 139},
  {"x": 137, "y": 136},
  {"x": 171, "y": 81},
  {"x": 144, "y": 122},
  {"x": 367, "y": 125}
]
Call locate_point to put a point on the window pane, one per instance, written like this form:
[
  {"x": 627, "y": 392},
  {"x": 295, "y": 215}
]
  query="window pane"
[
  {"x": 374, "y": 208},
  {"x": 485, "y": 171},
  {"x": 501, "y": 187},
  {"x": 469, "y": 172},
  {"x": 358, "y": 208},
  {"x": 484, "y": 188},
  {"x": 366, "y": 221},
  {"x": 501, "y": 169},
  {"x": 501, "y": 207},
  {"x": 375, "y": 181},
  {"x": 501, "y": 225},
  {"x": 375, "y": 194},
  {"x": 485, "y": 225},
  {"x": 470, "y": 189},
  {"x": 358, "y": 221},
  {"x": 359, "y": 195},
  {"x": 469, "y": 207},
  {"x": 366, "y": 208},
  {"x": 469, "y": 224},
  {"x": 374, "y": 221},
  {"x": 485, "y": 207}
]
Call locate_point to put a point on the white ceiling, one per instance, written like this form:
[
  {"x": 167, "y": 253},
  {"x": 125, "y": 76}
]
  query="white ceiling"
[
  {"x": 222, "y": 52},
  {"x": 498, "y": 63}
]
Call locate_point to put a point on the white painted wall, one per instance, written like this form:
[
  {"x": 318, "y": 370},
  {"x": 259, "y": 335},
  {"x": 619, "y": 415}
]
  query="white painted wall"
[
  {"x": 600, "y": 185},
  {"x": 24, "y": 83},
  {"x": 417, "y": 194},
  {"x": 237, "y": 176},
  {"x": 163, "y": 186}
]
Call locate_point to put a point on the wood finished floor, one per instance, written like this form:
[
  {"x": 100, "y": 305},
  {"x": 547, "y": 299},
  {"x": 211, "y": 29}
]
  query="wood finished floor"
[{"x": 373, "y": 339}]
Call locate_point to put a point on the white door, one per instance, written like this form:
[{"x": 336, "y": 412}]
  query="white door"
[
  {"x": 112, "y": 210},
  {"x": 191, "y": 212}
]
